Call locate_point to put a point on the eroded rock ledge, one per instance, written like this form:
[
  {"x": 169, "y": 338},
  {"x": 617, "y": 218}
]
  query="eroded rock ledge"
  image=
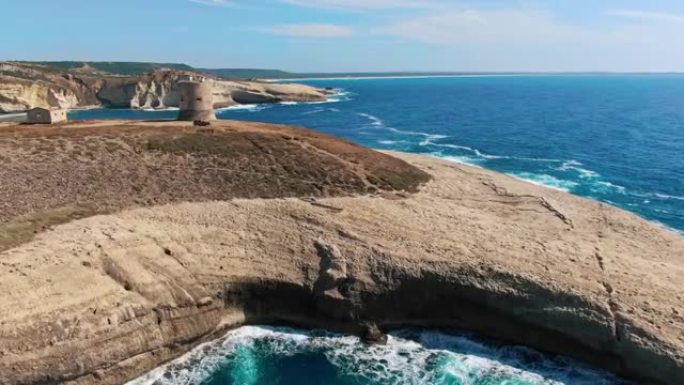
[
  {"x": 103, "y": 299},
  {"x": 24, "y": 86}
]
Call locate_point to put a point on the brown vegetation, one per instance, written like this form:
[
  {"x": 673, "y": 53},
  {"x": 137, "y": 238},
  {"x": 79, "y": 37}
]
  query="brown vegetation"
[{"x": 53, "y": 174}]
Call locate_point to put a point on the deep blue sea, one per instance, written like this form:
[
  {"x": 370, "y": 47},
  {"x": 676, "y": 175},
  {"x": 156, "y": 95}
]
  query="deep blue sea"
[
  {"x": 618, "y": 139},
  {"x": 615, "y": 138}
]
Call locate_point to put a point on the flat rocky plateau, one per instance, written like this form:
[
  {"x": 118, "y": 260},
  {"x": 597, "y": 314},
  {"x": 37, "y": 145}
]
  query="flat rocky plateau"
[{"x": 293, "y": 227}]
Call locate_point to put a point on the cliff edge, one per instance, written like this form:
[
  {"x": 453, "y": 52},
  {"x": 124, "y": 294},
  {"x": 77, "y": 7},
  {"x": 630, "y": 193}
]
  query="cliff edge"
[
  {"x": 433, "y": 243},
  {"x": 24, "y": 86}
]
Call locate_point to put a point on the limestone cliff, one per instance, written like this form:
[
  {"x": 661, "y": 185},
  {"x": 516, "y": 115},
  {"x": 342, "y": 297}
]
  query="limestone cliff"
[
  {"x": 24, "y": 86},
  {"x": 102, "y": 299}
]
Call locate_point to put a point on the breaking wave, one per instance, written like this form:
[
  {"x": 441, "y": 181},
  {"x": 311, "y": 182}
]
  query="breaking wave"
[
  {"x": 546, "y": 180},
  {"x": 243, "y": 107},
  {"x": 264, "y": 355},
  {"x": 666, "y": 196},
  {"x": 375, "y": 121},
  {"x": 161, "y": 109},
  {"x": 573, "y": 165}
]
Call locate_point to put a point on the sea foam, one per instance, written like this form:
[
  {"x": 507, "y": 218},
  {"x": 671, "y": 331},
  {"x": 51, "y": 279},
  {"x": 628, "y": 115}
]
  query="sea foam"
[
  {"x": 546, "y": 180},
  {"x": 244, "y": 107},
  {"x": 410, "y": 357}
]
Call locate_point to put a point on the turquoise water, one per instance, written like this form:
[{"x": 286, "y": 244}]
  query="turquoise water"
[
  {"x": 280, "y": 356},
  {"x": 618, "y": 139}
]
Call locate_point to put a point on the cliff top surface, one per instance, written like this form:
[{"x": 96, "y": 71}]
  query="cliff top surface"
[{"x": 52, "y": 174}]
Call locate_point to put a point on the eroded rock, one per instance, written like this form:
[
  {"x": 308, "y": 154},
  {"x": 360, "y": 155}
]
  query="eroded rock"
[{"x": 472, "y": 249}]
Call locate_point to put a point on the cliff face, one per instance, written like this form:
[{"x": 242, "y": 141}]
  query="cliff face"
[
  {"x": 102, "y": 299},
  {"x": 24, "y": 86}
]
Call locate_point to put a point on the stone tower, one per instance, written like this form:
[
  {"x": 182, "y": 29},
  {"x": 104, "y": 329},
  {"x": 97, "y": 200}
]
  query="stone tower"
[{"x": 196, "y": 99}]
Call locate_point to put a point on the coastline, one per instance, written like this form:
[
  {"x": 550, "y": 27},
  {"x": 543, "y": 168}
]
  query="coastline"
[
  {"x": 542, "y": 184},
  {"x": 395, "y": 77},
  {"x": 337, "y": 97},
  {"x": 472, "y": 75},
  {"x": 156, "y": 88},
  {"x": 568, "y": 275}
]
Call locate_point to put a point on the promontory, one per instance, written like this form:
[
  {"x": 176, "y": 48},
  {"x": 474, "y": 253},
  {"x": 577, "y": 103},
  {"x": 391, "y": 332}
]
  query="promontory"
[
  {"x": 27, "y": 85},
  {"x": 125, "y": 244}
]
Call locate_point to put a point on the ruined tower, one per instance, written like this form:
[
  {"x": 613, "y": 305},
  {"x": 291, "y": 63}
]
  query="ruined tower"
[{"x": 196, "y": 99}]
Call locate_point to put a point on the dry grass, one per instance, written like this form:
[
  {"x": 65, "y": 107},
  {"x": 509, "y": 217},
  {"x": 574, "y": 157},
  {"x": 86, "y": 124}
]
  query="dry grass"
[
  {"x": 60, "y": 173},
  {"x": 22, "y": 229}
]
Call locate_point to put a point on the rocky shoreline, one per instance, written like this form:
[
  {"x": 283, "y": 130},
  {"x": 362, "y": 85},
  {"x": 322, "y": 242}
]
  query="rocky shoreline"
[
  {"x": 25, "y": 86},
  {"x": 106, "y": 298}
]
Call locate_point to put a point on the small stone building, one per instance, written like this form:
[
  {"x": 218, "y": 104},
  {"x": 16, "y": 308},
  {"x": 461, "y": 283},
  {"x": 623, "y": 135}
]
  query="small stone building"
[{"x": 46, "y": 116}]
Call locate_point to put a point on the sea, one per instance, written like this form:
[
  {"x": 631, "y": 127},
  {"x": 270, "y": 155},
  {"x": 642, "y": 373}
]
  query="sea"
[
  {"x": 617, "y": 139},
  {"x": 264, "y": 355}
]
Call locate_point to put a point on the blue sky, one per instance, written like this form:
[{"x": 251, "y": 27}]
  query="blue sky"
[{"x": 353, "y": 35}]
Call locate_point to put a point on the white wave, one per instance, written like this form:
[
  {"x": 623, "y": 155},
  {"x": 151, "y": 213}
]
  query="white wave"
[
  {"x": 161, "y": 109},
  {"x": 329, "y": 100},
  {"x": 429, "y": 138},
  {"x": 338, "y": 95},
  {"x": 375, "y": 121},
  {"x": 390, "y": 142},
  {"x": 409, "y": 357},
  {"x": 656, "y": 195},
  {"x": 618, "y": 188},
  {"x": 489, "y": 156},
  {"x": 468, "y": 160},
  {"x": 485, "y": 155},
  {"x": 246, "y": 107},
  {"x": 428, "y": 142},
  {"x": 199, "y": 364},
  {"x": 666, "y": 196},
  {"x": 454, "y": 146},
  {"x": 546, "y": 180},
  {"x": 416, "y": 133},
  {"x": 341, "y": 92},
  {"x": 318, "y": 110},
  {"x": 575, "y": 166},
  {"x": 406, "y": 132}
]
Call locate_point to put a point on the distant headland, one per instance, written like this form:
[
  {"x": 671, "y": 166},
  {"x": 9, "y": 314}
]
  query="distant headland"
[{"x": 66, "y": 85}]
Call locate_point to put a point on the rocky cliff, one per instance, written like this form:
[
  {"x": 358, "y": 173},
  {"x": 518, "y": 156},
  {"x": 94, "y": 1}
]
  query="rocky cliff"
[
  {"x": 290, "y": 226},
  {"x": 24, "y": 86}
]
